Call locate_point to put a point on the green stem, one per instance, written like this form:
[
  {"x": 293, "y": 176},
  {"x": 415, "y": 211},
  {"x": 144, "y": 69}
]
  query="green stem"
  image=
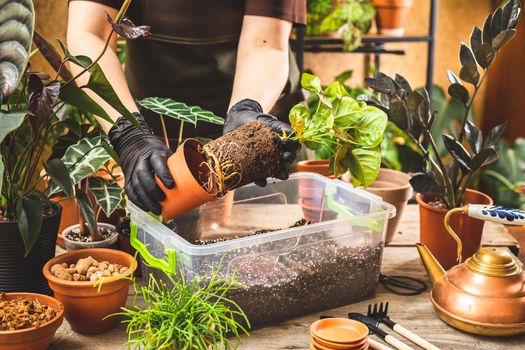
[
  {"x": 164, "y": 131},
  {"x": 122, "y": 11},
  {"x": 500, "y": 178},
  {"x": 181, "y": 128}
]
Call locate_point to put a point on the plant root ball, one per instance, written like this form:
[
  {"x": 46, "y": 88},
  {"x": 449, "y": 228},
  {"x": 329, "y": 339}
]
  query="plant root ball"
[{"x": 245, "y": 155}]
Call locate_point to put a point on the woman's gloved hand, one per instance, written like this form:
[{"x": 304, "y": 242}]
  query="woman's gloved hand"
[
  {"x": 142, "y": 156},
  {"x": 248, "y": 110}
]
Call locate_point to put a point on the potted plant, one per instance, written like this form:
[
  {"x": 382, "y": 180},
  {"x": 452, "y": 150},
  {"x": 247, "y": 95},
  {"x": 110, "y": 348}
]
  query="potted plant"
[
  {"x": 29, "y": 321},
  {"x": 92, "y": 284},
  {"x": 445, "y": 186},
  {"x": 391, "y": 16}
]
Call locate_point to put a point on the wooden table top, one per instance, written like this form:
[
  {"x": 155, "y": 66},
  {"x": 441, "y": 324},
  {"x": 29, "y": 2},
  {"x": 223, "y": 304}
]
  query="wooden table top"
[{"x": 413, "y": 312}]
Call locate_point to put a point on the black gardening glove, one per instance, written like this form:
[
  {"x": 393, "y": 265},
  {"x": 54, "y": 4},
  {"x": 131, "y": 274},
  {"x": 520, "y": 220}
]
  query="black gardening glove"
[
  {"x": 248, "y": 110},
  {"x": 142, "y": 155}
]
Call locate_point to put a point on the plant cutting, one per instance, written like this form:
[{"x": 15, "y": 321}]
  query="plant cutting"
[
  {"x": 183, "y": 314},
  {"x": 445, "y": 185},
  {"x": 88, "y": 303},
  {"x": 28, "y": 320}
]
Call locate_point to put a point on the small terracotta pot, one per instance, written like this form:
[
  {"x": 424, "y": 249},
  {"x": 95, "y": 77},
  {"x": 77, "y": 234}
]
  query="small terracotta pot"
[
  {"x": 190, "y": 171},
  {"x": 393, "y": 187},
  {"x": 321, "y": 167},
  {"x": 33, "y": 338},
  {"x": 391, "y": 16},
  {"x": 434, "y": 236},
  {"x": 110, "y": 242},
  {"x": 85, "y": 308}
]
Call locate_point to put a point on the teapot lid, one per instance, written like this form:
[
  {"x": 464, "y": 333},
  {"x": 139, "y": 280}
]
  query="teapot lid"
[{"x": 493, "y": 262}]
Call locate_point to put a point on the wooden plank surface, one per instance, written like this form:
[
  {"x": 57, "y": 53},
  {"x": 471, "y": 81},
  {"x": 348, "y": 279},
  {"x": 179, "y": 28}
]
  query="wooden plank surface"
[{"x": 414, "y": 312}]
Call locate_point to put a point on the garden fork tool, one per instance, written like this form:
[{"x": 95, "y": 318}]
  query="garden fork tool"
[{"x": 380, "y": 313}]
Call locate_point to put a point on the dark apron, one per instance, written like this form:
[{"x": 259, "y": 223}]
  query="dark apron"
[{"x": 196, "y": 67}]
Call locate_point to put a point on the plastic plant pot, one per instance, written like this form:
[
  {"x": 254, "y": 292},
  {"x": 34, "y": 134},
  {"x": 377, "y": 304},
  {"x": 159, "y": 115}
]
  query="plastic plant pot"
[{"x": 109, "y": 242}]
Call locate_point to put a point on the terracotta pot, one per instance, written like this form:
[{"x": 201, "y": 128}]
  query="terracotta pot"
[
  {"x": 33, "y": 338},
  {"x": 110, "y": 242},
  {"x": 320, "y": 167},
  {"x": 391, "y": 16},
  {"x": 190, "y": 172},
  {"x": 84, "y": 307},
  {"x": 432, "y": 232},
  {"x": 393, "y": 187}
]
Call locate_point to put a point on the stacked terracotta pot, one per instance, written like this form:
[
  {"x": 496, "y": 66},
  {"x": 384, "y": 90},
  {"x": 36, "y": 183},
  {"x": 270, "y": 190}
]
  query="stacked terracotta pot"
[{"x": 338, "y": 333}]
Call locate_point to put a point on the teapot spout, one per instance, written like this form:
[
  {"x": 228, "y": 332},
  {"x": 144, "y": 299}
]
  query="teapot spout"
[{"x": 434, "y": 269}]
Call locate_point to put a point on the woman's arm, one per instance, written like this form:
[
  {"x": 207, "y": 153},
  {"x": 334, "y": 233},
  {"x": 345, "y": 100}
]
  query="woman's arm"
[
  {"x": 87, "y": 33},
  {"x": 262, "y": 61}
]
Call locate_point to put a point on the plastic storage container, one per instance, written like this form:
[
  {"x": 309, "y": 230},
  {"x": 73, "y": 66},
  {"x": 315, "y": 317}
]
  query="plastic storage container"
[{"x": 333, "y": 261}]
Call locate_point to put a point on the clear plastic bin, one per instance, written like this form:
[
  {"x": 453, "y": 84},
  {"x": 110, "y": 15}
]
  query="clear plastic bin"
[{"x": 333, "y": 261}]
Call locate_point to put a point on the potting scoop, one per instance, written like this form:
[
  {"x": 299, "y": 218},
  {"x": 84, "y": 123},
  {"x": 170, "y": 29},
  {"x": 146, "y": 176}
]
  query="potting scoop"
[{"x": 485, "y": 294}]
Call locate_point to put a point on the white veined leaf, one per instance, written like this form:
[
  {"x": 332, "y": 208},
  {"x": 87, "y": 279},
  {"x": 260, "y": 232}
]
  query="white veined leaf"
[
  {"x": 109, "y": 195},
  {"x": 180, "y": 111}
]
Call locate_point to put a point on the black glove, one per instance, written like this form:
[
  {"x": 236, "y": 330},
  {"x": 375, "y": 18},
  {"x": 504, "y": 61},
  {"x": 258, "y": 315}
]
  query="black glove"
[
  {"x": 248, "y": 110},
  {"x": 142, "y": 155}
]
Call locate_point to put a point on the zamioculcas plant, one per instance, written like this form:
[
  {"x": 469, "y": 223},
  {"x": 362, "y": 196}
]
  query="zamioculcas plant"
[{"x": 411, "y": 111}]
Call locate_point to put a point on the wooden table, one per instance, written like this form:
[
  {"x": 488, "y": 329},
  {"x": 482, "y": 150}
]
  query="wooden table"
[{"x": 414, "y": 312}]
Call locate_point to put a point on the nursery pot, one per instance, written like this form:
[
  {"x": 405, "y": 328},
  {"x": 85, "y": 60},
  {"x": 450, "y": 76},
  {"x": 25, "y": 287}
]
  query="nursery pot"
[
  {"x": 109, "y": 242},
  {"x": 34, "y": 338},
  {"x": 312, "y": 198},
  {"x": 190, "y": 172},
  {"x": 19, "y": 273},
  {"x": 432, "y": 232},
  {"x": 393, "y": 187},
  {"x": 391, "y": 16},
  {"x": 85, "y": 308}
]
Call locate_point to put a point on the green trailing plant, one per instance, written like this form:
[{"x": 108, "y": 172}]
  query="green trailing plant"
[
  {"x": 188, "y": 315},
  {"x": 31, "y": 115},
  {"x": 350, "y": 130},
  {"x": 411, "y": 111}
]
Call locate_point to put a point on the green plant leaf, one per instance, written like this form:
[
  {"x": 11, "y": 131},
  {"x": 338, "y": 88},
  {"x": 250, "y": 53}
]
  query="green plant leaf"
[
  {"x": 180, "y": 111},
  {"x": 370, "y": 127},
  {"x": 458, "y": 151},
  {"x": 108, "y": 195},
  {"x": 311, "y": 83},
  {"x": 2, "y": 168},
  {"x": 364, "y": 165},
  {"x": 29, "y": 217},
  {"x": 335, "y": 91},
  {"x": 77, "y": 97},
  {"x": 10, "y": 121},
  {"x": 17, "y": 20},
  {"x": 86, "y": 208},
  {"x": 57, "y": 170},
  {"x": 485, "y": 55},
  {"x": 299, "y": 114},
  {"x": 51, "y": 56}
]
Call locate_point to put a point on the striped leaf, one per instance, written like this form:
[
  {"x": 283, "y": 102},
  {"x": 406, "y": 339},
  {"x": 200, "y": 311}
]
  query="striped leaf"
[
  {"x": 180, "y": 111},
  {"x": 17, "y": 23},
  {"x": 108, "y": 194}
]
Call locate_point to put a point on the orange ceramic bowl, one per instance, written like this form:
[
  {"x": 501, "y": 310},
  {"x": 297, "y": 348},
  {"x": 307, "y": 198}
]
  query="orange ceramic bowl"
[{"x": 339, "y": 330}]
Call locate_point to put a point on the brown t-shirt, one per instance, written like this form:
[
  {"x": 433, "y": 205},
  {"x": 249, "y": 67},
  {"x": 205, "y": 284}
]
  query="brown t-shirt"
[{"x": 206, "y": 21}]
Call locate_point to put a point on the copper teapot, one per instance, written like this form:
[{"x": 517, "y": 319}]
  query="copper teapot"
[{"x": 485, "y": 294}]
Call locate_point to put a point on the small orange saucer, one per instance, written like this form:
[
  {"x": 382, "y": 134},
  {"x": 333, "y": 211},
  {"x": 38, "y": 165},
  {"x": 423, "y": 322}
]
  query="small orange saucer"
[{"x": 339, "y": 330}]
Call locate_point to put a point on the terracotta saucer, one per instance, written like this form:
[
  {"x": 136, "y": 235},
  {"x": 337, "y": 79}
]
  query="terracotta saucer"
[
  {"x": 318, "y": 346},
  {"x": 339, "y": 346},
  {"x": 339, "y": 330}
]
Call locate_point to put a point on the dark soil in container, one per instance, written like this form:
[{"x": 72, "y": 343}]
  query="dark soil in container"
[
  {"x": 245, "y": 155},
  {"x": 76, "y": 236}
]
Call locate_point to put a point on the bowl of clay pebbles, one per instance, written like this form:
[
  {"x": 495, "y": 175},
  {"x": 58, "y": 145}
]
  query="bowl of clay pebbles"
[
  {"x": 28, "y": 321},
  {"x": 92, "y": 284}
]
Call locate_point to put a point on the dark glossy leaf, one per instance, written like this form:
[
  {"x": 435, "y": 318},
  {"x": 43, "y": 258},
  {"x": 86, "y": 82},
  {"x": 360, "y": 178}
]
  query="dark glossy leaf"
[
  {"x": 399, "y": 114},
  {"x": 469, "y": 73},
  {"x": 432, "y": 118},
  {"x": 72, "y": 125},
  {"x": 100, "y": 85},
  {"x": 127, "y": 29},
  {"x": 51, "y": 56},
  {"x": 403, "y": 83},
  {"x": 466, "y": 57},
  {"x": 381, "y": 83},
  {"x": 459, "y": 92},
  {"x": 474, "y": 136},
  {"x": 75, "y": 96},
  {"x": 495, "y": 24},
  {"x": 515, "y": 13},
  {"x": 494, "y": 135},
  {"x": 503, "y": 38},
  {"x": 456, "y": 150},
  {"x": 57, "y": 171},
  {"x": 475, "y": 39},
  {"x": 425, "y": 184},
  {"x": 453, "y": 78},
  {"x": 486, "y": 30},
  {"x": 373, "y": 101},
  {"x": 485, "y": 55},
  {"x": 86, "y": 208},
  {"x": 2, "y": 168},
  {"x": 82, "y": 61},
  {"x": 485, "y": 157},
  {"x": 29, "y": 217},
  {"x": 41, "y": 99}
]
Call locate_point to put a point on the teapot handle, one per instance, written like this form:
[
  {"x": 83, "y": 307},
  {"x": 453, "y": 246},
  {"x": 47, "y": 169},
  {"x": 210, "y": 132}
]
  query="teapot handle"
[{"x": 494, "y": 213}]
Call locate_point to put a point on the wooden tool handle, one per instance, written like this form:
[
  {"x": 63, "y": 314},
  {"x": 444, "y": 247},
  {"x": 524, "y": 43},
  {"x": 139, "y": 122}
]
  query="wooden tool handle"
[
  {"x": 416, "y": 339},
  {"x": 377, "y": 345},
  {"x": 398, "y": 344}
]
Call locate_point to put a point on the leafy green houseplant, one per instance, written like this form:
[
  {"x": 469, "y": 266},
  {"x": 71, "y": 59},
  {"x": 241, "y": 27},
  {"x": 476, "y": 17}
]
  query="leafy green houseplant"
[{"x": 443, "y": 184}]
